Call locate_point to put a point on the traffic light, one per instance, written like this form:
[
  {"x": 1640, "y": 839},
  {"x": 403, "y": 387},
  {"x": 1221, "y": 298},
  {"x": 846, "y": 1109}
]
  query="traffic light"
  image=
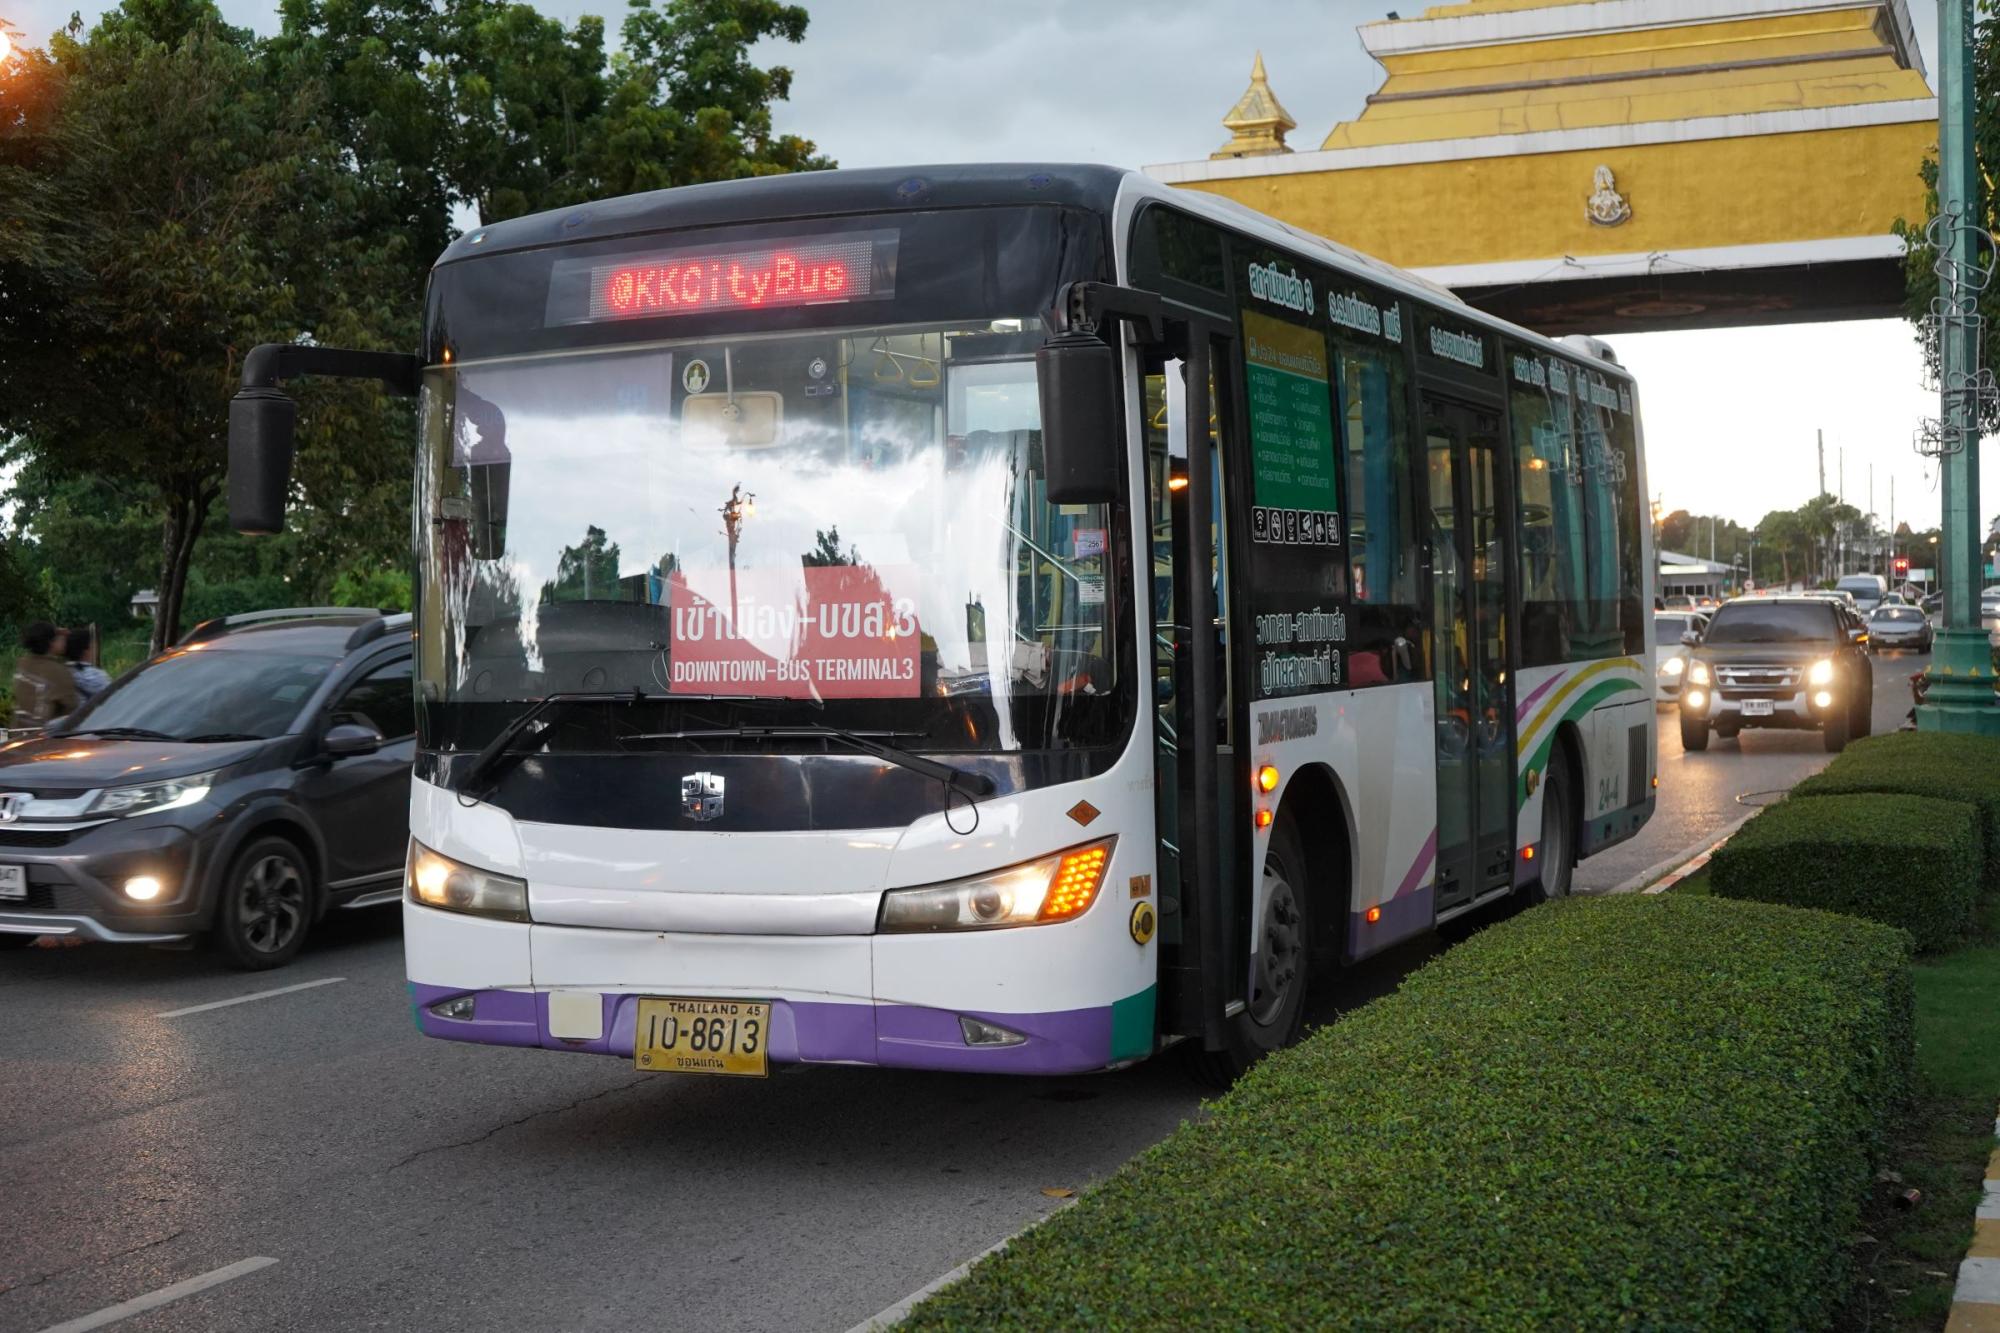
[{"x": 1901, "y": 564}]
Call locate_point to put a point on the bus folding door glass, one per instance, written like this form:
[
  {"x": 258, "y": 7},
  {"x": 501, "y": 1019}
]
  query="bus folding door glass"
[
  {"x": 1549, "y": 495},
  {"x": 1604, "y": 636},
  {"x": 1382, "y": 527},
  {"x": 1631, "y": 565}
]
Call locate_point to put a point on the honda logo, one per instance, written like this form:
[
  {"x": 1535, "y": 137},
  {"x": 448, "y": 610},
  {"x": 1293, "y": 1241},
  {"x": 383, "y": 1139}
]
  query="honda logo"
[
  {"x": 701, "y": 796},
  {"x": 10, "y": 805}
]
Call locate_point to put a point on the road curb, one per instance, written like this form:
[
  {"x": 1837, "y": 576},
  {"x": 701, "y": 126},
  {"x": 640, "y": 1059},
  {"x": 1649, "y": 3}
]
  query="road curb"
[
  {"x": 1975, "y": 1302},
  {"x": 890, "y": 1316},
  {"x": 1664, "y": 875}
]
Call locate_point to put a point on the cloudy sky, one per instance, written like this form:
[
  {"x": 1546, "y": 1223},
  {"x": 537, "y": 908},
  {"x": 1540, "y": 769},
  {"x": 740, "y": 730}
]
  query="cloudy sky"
[{"x": 1730, "y": 415}]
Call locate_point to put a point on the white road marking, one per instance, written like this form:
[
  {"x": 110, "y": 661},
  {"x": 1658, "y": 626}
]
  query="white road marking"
[
  {"x": 245, "y": 999},
  {"x": 111, "y": 1314}
]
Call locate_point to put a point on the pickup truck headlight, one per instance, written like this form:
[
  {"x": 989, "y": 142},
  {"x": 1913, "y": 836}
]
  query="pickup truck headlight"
[
  {"x": 147, "y": 797},
  {"x": 1698, "y": 673},
  {"x": 1058, "y": 887},
  {"x": 438, "y": 881},
  {"x": 1821, "y": 672}
]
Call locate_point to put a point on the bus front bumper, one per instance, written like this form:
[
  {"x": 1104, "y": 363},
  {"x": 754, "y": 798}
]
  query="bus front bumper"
[{"x": 578, "y": 989}]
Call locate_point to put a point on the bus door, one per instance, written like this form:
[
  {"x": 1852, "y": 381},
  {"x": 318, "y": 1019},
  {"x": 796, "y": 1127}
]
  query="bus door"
[
  {"x": 1203, "y": 893},
  {"x": 1471, "y": 562}
]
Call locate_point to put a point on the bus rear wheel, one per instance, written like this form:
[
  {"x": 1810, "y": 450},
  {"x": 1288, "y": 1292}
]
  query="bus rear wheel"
[
  {"x": 1557, "y": 853},
  {"x": 1275, "y": 1012}
]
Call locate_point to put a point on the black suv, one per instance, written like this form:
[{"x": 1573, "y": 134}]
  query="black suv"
[
  {"x": 240, "y": 784},
  {"x": 1798, "y": 662}
]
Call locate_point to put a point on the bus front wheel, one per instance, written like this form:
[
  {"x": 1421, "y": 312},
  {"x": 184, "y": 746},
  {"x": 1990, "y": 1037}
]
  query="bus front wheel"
[
  {"x": 1275, "y": 1012},
  {"x": 1558, "y": 850}
]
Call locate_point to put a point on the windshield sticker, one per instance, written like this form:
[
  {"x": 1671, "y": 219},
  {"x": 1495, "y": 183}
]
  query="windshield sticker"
[
  {"x": 831, "y": 632},
  {"x": 1293, "y": 463},
  {"x": 1088, "y": 542},
  {"x": 695, "y": 377}
]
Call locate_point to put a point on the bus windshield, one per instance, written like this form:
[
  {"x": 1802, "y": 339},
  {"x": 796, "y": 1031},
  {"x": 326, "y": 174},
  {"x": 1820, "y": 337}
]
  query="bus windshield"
[{"x": 843, "y": 526}]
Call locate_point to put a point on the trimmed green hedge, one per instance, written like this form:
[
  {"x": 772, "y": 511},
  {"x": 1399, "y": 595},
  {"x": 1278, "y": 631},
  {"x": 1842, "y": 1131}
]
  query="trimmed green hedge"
[
  {"x": 1943, "y": 766},
  {"x": 1902, "y": 860},
  {"x": 1651, "y": 1111}
]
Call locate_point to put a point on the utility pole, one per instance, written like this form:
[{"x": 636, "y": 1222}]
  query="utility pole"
[
  {"x": 1961, "y": 696},
  {"x": 1822, "y": 462},
  {"x": 1874, "y": 547}
]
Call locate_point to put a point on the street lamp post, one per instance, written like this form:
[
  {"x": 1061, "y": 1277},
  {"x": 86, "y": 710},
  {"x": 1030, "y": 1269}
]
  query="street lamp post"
[{"x": 1960, "y": 697}]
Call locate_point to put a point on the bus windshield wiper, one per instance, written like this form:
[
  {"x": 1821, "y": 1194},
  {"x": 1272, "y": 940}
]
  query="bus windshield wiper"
[
  {"x": 964, "y": 780},
  {"x": 499, "y": 750}
]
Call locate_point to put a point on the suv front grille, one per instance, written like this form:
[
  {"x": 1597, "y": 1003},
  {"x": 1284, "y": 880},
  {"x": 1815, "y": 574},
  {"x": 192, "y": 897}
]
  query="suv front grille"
[
  {"x": 1758, "y": 680},
  {"x": 35, "y": 837}
]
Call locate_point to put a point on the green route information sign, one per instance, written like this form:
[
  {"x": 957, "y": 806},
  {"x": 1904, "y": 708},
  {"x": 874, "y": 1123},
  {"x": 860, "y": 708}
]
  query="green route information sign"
[{"x": 1292, "y": 456}]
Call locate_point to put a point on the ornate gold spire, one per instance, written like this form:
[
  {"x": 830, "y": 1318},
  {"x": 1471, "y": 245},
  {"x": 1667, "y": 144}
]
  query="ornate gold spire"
[{"x": 1258, "y": 122}]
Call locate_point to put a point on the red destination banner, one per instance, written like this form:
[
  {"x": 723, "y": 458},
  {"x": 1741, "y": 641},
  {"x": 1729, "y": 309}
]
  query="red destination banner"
[{"x": 837, "y": 634}]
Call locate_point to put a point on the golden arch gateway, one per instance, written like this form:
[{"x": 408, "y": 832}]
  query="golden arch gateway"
[{"x": 1617, "y": 166}]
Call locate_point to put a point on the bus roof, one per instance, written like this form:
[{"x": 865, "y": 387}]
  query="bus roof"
[{"x": 808, "y": 194}]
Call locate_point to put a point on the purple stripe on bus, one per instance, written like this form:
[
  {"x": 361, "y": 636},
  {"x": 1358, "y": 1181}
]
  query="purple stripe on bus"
[
  {"x": 1425, "y": 856},
  {"x": 900, "y": 1036},
  {"x": 1402, "y": 916},
  {"x": 1535, "y": 694}
]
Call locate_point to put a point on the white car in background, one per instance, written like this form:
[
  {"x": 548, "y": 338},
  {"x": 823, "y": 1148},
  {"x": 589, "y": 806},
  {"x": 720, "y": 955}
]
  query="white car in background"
[{"x": 1671, "y": 658}]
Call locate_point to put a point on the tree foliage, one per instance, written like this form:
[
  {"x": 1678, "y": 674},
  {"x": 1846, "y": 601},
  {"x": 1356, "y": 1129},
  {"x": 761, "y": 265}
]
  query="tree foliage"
[{"x": 179, "y": 190}]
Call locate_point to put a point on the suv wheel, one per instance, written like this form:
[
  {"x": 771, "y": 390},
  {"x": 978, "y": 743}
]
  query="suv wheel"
[
  {"x": 1834, "y": 731},
  {"x": 266, "y": 905}
]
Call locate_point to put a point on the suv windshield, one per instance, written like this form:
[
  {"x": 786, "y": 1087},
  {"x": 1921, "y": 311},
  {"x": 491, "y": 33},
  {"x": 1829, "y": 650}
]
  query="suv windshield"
[
  {"x": 1773, "y": 622},
  {"x": 847, "y": 526},
  {"x": 207, "y": 690}
]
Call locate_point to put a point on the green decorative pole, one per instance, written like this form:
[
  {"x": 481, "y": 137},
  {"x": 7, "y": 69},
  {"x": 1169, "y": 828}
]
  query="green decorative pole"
[{"x": 1961, "y": 696}]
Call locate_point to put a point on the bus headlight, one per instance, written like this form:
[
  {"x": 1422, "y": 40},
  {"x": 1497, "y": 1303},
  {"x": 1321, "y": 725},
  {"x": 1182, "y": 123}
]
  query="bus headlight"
[
  {"x": 1821, "y": 672},
  {"x": 452, "y": 886},
  {"x": 1058, "y": 887}
]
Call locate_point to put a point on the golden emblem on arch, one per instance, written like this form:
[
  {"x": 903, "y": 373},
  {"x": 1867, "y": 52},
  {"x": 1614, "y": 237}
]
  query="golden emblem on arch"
[{"x": 1606, "y": 207}]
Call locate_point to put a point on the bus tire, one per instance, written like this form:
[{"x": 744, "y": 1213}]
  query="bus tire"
[
  {"x": 1557, "y": 852},
  {"x": 1694, "y": 733},
  {"x": 1276, "y": 1011}
]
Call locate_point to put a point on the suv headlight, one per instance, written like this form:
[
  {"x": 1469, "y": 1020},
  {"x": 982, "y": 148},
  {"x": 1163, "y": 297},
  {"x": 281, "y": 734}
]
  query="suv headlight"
[
  {"x": 146, "y": 797},
  {"x": 1058, "y": 887},
  {"x": 1821, "y": 672},
  {"x": 438, "y": 881},
  {"x": 1673, "y": 666},
  {"x": 1698, "y": 673}
]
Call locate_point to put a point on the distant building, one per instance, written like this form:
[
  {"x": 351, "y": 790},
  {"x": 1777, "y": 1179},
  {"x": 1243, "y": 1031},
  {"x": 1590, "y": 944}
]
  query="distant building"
[{"x": 1691, "y": 576}]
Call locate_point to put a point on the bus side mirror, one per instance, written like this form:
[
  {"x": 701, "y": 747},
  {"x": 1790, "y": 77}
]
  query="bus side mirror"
[
  {"x": 1080, "y": 441},
  {"x": 261, "y": 423}
]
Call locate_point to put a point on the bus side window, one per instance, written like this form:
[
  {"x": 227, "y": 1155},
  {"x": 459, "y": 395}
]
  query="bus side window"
[{"x": 1382, "y": 526}]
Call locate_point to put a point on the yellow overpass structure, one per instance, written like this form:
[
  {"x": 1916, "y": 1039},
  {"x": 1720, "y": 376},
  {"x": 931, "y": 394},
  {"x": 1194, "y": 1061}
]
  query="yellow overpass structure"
[{"x": 1613, "y": 166}]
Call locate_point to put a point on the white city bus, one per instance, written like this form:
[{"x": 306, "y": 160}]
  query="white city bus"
[{"x": 835, "y": 645}]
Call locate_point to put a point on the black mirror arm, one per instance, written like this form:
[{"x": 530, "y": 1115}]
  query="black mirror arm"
[
  {"x": 270, "y": 364},
  {"x": 1082, "y": 306}
]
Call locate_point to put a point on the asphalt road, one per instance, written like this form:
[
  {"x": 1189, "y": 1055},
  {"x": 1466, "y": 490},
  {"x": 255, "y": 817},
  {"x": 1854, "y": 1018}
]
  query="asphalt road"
[{"x": 403, "y": 1183}]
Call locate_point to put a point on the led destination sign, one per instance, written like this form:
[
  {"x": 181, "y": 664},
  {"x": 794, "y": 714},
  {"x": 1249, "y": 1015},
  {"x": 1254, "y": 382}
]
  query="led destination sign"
[{"x": 854, "y": 266}]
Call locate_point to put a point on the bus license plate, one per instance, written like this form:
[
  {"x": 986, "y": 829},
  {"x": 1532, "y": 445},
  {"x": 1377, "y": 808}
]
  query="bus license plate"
[
  {"x": 1756, "y": 708},
  {"x": 682, "y": 1036},
  {"x": 14, "y": 883}
]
